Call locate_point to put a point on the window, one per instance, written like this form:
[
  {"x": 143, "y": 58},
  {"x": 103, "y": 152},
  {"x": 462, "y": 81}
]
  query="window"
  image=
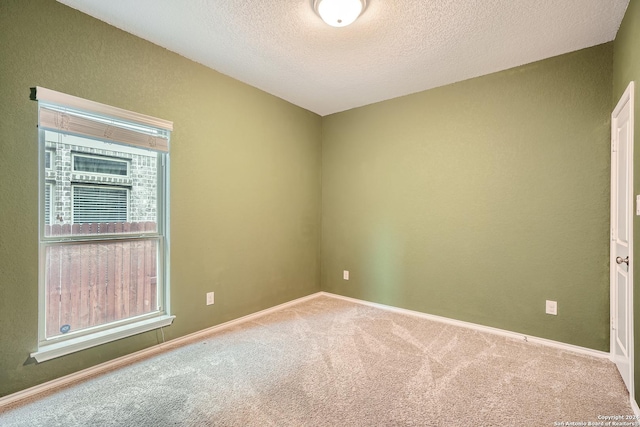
[
  {"x": 49, "y": 188},
  {"x": 103, "y": 228},
  {"x": 102, "y": 165},
  {"x": 48, "y": 195},
  {"x": 97, "y": 204},
  {"x": 48, "y": 154}
]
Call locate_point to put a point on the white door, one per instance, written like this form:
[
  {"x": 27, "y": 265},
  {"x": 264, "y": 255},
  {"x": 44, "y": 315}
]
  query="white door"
[{"x": 621, "y": 260}]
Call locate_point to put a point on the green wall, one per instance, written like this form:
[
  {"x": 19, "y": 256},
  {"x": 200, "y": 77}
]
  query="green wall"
[
  {"x": 626, "y": 68},
  {"x": 479, "y": 200},
  {"x": 245, "y": 188},
  {"x": 475, "y": 201}
]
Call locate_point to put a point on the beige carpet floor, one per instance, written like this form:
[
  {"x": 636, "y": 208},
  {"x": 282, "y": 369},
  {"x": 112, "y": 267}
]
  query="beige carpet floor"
[{"x": 328, "y": 362}]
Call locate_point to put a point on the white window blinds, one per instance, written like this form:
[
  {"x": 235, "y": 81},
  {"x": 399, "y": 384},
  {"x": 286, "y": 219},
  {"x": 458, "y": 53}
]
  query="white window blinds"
[
  {"x": 96, "y": 204},
  {"x": 47, "y": 203}
]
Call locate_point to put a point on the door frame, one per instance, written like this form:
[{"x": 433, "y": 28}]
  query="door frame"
[{"x": 627, "y": 97}]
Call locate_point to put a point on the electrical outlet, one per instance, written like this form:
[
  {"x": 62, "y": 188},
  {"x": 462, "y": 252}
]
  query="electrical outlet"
[
  {"x": 552, "y": 307},
  {"x": 345, "y": 274},
  {"x": 209, "y": 298}
]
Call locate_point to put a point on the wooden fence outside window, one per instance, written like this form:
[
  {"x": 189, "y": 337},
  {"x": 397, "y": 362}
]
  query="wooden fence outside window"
[{"x": 89, "y": 284}]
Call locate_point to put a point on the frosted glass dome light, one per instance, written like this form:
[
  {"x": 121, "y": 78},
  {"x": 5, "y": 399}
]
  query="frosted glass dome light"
[{"x": 339, "y": 13}]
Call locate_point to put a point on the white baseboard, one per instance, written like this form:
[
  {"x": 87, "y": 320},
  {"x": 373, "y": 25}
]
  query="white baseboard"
[
  {"x": 142, "y": 354},
  {"x": 481, "y": 328},
  {"x": 634, "y": 406},
  {"x": 133, "y": 357}
]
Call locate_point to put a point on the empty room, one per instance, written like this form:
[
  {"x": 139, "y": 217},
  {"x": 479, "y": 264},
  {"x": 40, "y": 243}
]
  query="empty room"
[{"x": 277, "y": 213}]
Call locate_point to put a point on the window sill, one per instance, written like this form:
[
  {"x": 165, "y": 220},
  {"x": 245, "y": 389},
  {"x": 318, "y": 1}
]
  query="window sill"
[{"x": 51, "y": 351}]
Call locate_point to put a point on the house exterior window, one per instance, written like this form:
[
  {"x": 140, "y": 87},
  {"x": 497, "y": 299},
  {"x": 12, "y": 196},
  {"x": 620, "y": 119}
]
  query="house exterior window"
[
  {"x": 100, "y": 165},
  {"x": 99, "y": 204},
  {"x": 103, "y": 228},
  {"x": 48, "y": 159},
  {"x": 93, "y": 202},
  {"x": 48, "y": 195}
]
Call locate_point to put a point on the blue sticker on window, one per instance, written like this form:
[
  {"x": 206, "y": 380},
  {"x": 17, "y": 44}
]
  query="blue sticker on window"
[{"x": 65, "y": 328}]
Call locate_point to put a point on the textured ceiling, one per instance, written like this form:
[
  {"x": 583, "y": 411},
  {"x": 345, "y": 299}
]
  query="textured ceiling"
[{"x": 396, "y": 47}]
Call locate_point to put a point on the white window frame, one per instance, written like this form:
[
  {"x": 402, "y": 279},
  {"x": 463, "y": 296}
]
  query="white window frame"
[
  {"x": 86, "y": 338},
  {"x": 108, "y": 158},
  {"x": 74, "y": 185}
]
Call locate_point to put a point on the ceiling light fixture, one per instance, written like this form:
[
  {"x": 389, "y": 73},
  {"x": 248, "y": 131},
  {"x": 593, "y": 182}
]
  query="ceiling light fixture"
[{"x": 339, "y": 13}]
